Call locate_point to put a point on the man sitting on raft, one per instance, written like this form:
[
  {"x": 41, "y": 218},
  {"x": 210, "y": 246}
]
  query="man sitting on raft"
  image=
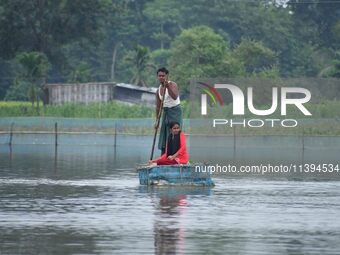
[{"x": 176, "y": 150}]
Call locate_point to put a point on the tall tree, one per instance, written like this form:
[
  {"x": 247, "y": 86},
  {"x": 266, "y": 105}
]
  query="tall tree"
[
  {"x": 255, "y": 56},
  {"x": 34, "y": 70},
  {"x": 316, "y": 20},
  {"x": 160, "y": 14},
  {"x": 199, "y": 52},
  {"x": 120, "y": 27},
  {"x": 47, "y": 23},
  {"x": 140, "y": 60}
]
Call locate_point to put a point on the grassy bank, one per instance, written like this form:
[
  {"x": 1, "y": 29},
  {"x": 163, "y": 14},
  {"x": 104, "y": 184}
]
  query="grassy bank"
[
  {"x": 93, "y": 110},
  {"x": 112, "y": 110},
  {"x": 324, "y": 121},
  {"x": 118, "y": 110}
]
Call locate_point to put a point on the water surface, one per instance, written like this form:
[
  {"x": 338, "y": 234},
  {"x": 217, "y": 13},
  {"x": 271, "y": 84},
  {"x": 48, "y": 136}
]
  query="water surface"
[{"x": 87, "y": 200}]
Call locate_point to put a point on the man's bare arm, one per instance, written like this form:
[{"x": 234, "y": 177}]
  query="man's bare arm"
[
  {"x": 172, "y": 90},
  {"x": 158, "y": 103}
]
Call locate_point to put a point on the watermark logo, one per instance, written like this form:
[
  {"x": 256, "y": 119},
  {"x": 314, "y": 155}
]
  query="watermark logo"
[
  {"x": 239, "y": 99},
  {"x": 213, "y": 94},
  {"x": 280, "y": 98}
]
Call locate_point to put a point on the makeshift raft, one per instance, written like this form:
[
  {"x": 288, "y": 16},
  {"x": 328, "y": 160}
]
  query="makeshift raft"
[{"x": 174, "y": 175}]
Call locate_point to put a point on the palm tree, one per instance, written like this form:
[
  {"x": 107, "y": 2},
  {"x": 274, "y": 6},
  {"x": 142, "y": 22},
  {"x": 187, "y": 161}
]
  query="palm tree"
[
  {"x": 35, "y": 67},
  {"x": 141, "y": 61}
]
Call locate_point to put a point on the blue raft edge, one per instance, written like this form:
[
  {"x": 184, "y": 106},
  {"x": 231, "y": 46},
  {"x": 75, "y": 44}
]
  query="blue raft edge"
[{"x": 174, "y": 175}]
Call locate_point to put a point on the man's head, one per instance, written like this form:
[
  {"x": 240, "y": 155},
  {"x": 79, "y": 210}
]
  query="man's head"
[{"x": 162, "y": 74}]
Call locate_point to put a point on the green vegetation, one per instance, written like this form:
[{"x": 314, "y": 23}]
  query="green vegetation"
[
  {"x": 325, "y": 119},
  {"x": 93, "y": 110},
  {"x": 114, "y": 109},
  {"x": 111, "y": 109},
  {"x": 124, "y": 41}
]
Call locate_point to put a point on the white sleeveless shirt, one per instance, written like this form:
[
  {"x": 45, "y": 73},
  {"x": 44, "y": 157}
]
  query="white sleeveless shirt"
[{"x": 168, "y": 100}]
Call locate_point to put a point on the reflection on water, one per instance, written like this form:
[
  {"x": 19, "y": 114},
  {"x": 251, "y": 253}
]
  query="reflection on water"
[
  {"x": 87, "y": 200},
  {"x": 169, "y": 236},
  {"x": 170, "y": 205}
]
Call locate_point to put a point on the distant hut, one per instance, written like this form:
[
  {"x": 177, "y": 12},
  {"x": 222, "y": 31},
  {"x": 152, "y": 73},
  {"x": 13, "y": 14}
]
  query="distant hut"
[{"x": 60, "y": 93}]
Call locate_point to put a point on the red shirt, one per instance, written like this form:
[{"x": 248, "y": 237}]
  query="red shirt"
[{"x": 182, "y": 153}]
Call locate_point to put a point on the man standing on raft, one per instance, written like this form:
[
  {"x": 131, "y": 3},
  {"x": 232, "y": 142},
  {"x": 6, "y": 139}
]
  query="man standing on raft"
[{"x": 172, "y": 110}]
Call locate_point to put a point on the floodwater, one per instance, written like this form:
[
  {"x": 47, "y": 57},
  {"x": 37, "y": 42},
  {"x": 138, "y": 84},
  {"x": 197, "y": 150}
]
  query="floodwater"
[{"x": 87, "y": 200}]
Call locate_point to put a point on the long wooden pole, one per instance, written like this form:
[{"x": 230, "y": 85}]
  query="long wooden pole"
[
  {"x": 157, "y": 122},
  {"x": 11, "y": 135}
]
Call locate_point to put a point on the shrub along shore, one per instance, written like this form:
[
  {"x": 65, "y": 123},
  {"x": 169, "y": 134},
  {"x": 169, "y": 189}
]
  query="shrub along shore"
[
  {"x": 69, "y": 110},
  {"x": 325, "y": 119},
  {"x": 117, "y": 110}
]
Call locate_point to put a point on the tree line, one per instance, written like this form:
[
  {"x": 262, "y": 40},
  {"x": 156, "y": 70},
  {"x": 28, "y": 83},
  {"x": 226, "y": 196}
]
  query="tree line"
[{"x": 126, "y": 40}]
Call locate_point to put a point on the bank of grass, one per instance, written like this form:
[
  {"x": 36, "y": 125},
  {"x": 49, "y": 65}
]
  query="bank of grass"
[
  {"x": 324, "y": 121},
  {"x": 117, "y": 110},
  {"x": 69, "y": 110},
  {"x": 112, "y": 110}
]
